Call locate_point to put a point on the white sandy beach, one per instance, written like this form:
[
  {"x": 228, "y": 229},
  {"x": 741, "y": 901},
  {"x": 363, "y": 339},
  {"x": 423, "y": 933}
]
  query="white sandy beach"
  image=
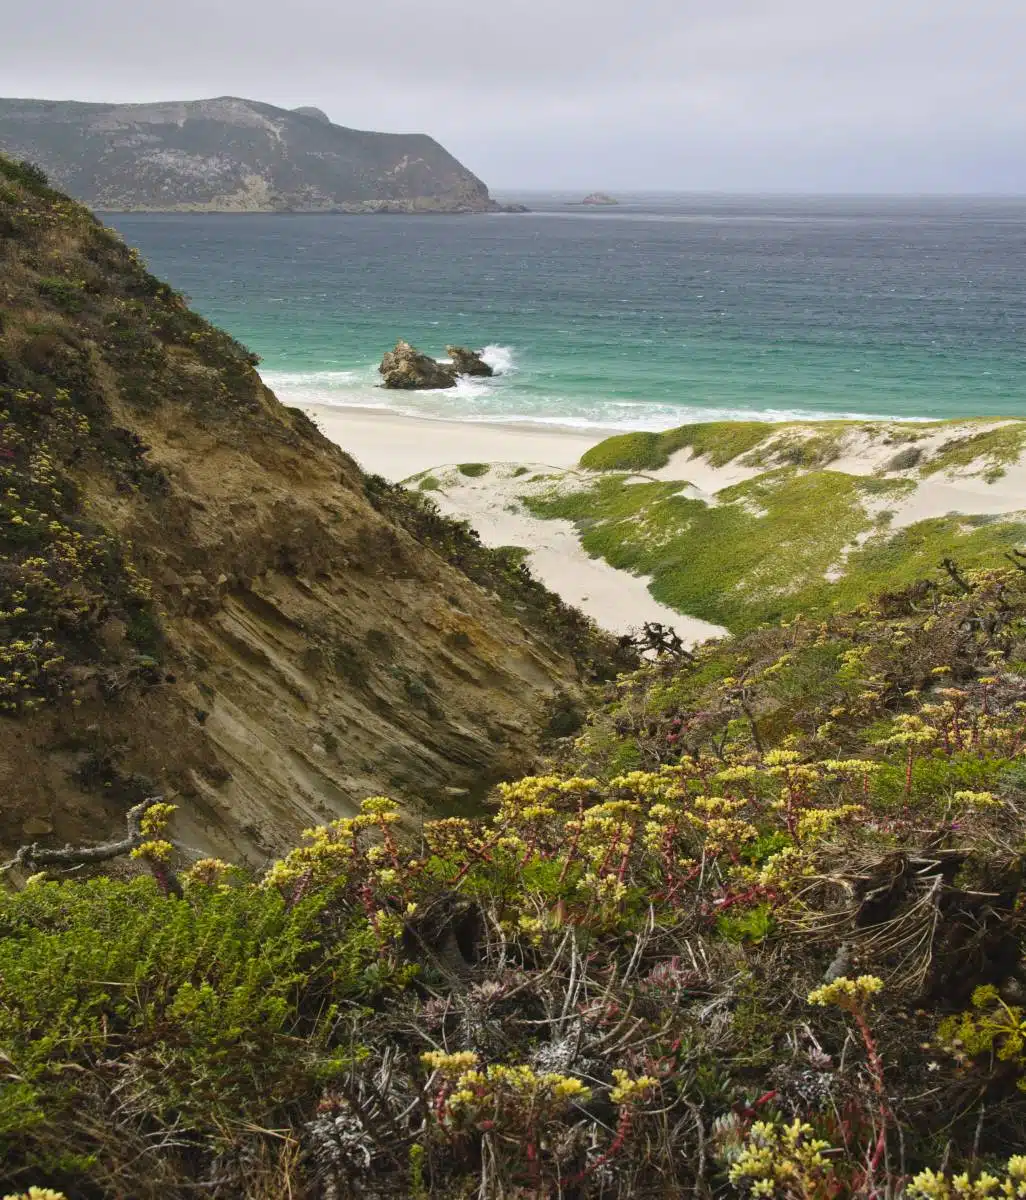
[{"x": 398, "y": 447}]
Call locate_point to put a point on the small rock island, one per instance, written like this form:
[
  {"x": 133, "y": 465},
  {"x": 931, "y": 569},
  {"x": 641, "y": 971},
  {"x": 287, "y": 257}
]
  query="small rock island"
[
  {"x": 407, "y": 369},
  {"x": 600, "y": 199}
]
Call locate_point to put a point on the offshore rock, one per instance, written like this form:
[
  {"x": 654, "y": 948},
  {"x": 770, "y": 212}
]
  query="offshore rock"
[
  {"x": 600, "y": 199},
  {"x": 407, "y": 369},
  {"x": 468, "y": 362}
]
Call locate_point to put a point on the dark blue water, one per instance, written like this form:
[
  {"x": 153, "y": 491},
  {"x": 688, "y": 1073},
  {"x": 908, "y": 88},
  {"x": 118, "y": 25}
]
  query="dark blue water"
[{"x": 660, "y": 311}]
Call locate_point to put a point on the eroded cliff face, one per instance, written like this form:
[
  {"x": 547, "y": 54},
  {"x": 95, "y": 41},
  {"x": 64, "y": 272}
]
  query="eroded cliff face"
[{"x": 198, "y": 593}]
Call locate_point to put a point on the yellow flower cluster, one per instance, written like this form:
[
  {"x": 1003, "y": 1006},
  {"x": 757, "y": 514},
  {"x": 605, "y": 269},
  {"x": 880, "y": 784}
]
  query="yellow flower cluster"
[
  {"x": 846, "y": 993},
  {"x": 814, "y": 822},
  {"x": 630, "y": 1091},
  {"x": 931, "y": 1185},
  {"x": 207, "y": 871},
  {"x": 782, "y": 1160},
  {"x": 514, "y": 1084},
  {"x": 37, "y": 1193},
  {"x": 155, "y": 850},
  {"x": 450, "y": 1064},
  {"x": 978, "y": 800}
]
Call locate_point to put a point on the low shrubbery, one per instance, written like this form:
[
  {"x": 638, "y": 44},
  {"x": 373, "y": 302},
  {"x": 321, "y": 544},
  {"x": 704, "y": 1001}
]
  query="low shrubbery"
[
  {"x": 718, "y": 441},
  {"x": 778, "y": 955},
  {"x": 783, "y": 543}
]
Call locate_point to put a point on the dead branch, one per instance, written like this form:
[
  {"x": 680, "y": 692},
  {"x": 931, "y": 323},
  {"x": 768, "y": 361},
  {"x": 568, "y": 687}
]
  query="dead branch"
[
  {"x": 956, "y": 576},
  {"x": 34, "y": 856}
]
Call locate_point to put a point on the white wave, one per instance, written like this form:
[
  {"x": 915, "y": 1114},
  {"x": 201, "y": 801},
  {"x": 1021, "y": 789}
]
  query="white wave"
[
  {"x": 500, "y": 358},
  {"x": 497, "y": 400}
]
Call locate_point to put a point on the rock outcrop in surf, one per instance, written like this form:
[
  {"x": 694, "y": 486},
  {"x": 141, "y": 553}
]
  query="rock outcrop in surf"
[
  {"x": 407, "y": 369},
  {"x": 468, "y": 362}
]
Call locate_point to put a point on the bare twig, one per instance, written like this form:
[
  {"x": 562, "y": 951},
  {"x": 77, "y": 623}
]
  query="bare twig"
[{"x": 34, "y": 855}]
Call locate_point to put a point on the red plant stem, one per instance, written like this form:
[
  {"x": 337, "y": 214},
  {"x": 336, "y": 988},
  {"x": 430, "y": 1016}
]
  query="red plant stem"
[
  {"x": 480, "y": 853},
  {"x": 621, "y": 874},
  {"x": 911, "y": 757},
  {"x": 390, "y": 846},
  {"x": 623, "y": 1127},
  {"x": 575, "y": 841},
  {"x": 876, "y": 1071},
  {"x": 529, "y": 851}
]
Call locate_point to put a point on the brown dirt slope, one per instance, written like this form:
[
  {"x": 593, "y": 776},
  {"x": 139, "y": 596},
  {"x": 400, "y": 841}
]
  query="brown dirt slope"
[{"x": 202, "y": 596}]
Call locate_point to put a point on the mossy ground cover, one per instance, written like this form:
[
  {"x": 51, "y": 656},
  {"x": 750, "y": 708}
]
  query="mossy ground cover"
[
  {"x": 777, "y": 957},
  {"x": 765, "y": 549},
  {"x": 811, "y": 444},
  {"x": 718, "y": 441}
]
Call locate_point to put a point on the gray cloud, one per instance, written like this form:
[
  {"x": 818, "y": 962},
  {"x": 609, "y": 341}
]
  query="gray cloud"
[{"x": 893, "y": 95}]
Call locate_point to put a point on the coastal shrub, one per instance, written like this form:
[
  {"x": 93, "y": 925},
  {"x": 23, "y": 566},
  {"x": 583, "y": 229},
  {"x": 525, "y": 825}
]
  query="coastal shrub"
[
  {"x": 26, "y": 174},
  {"x": 210, "y": 1010},
  {"x": 717, "y": 441},
  {"x": 905, "y": 459},
  {"x": 430, "y": 483},
  {"x": 65, "y": 294},
  {"x": 989, "y": 452},
  {"x": 711, "y": 948},
  {"x": 473, "y": 470},
  {"x": 626, "y": 452}
]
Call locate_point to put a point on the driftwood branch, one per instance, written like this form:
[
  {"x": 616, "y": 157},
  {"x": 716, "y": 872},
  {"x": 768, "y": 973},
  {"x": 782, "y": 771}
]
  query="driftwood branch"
[
  {"x": 34, "y": 855},
  {"x": 662, "y": 640},
  {"x": 956, "y": 576}
]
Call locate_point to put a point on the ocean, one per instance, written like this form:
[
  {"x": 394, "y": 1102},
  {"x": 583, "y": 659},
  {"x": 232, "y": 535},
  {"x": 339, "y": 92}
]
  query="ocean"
[{"x": 663, "y": 310}]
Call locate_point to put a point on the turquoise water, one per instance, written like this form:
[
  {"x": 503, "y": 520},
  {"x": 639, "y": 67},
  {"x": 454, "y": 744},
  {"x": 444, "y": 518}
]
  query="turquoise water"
[{"x": 664, "y": 310}]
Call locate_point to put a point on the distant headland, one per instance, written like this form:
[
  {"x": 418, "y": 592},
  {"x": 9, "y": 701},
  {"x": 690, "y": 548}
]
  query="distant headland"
[{"x": 234, "y": 155}]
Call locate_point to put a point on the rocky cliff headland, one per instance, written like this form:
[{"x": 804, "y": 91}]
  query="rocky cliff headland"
[{"x": 233, "y": 155}]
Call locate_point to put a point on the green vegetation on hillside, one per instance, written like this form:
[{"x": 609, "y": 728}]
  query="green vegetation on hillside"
[
  {"x": 990, "y": 452},
  {"x": 718, "y": 441},
  {"x": 65, "y": 335},
  {"x": 758, "y": 932},
  {"x": 781, "y": 544},
  {"x": 811, "y": 444}
]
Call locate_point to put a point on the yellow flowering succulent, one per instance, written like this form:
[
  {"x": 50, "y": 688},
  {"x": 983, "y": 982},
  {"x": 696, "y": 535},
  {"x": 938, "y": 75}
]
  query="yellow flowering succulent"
[
  {"x": 629, "y": 1091},
  {"x": 445, "y": 1063},
  {"x": 781, "y": 1160},
  {"x": 932, "y": 1185},
  {"x": 846, "y": 993}
]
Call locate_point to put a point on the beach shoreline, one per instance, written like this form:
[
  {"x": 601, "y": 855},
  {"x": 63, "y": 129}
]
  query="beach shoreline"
[{"x": 398, "y": 446}]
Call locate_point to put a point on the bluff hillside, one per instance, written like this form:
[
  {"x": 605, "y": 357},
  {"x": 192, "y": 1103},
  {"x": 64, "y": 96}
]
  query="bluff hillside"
[
  {"x": 202, "y": 596},
  {"x": 233, "y": 155},
  {"x": 757, "y": 931}
]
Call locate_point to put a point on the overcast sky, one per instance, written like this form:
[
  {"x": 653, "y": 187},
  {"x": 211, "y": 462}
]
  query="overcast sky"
[{"x": 736, "y": 95}]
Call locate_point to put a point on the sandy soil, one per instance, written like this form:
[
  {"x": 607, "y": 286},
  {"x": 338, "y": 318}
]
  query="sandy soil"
[{"x": 398, "y": 447}]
